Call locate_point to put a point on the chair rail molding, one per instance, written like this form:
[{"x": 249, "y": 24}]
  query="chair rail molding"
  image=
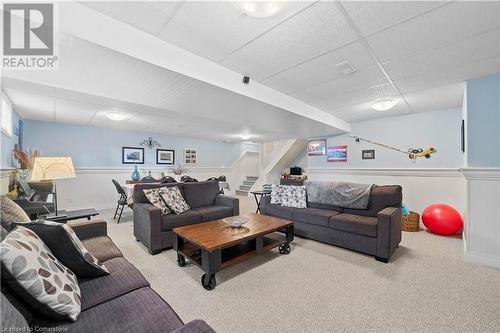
[
  {"x": 400, "y": 172},
  {"x": 482, "y": 221}
]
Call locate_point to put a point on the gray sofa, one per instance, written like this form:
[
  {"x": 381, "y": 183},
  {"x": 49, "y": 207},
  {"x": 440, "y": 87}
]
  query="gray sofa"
[
  {"x": 119, "y": 302},
  {"x": 375, "y": 231},
  {"x": 155, "y": 230}
]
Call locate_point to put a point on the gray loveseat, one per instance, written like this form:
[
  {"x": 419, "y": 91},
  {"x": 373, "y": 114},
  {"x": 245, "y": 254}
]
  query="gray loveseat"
[
  {"x": 155, "y": 230},
  {"x": 375, "y": 231},
  {"x": 120, "y": 302}
]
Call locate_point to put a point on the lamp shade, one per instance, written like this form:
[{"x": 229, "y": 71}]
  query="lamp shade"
[{"x": 52, "y": 168}]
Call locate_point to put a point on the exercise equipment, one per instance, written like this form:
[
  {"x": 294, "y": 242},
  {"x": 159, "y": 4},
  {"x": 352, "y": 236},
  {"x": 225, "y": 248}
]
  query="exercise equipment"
[
  {"x": 413, "y": 153},
  {"x": 442, "y": 219}
]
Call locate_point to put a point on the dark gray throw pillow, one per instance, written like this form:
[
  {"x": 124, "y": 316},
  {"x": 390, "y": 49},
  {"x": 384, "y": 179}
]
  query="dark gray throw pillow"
[{"x": 67, "y": 248}]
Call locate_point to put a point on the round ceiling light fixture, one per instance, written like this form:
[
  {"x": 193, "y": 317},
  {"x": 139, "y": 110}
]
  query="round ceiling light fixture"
[
  {"x": 115, "y": 115},
  {"x": 260, "y": 9},
  {"x": 383, "y": 104},
  {"x": 245, "y": 136}
]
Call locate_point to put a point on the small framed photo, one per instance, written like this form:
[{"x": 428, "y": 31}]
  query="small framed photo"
[
  {"x": 132, "y": 155},
  {"x": 165, "y": 156},
  {"x": 190, "y": 156},
  {"x": 368, "y": 154},
  {"x": 316, "y": 147},
  {"x": 337, "y": 154}
]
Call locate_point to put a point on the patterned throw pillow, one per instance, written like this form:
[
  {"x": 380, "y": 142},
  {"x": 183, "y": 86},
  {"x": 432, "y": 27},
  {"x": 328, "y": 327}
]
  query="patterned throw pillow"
[
  {"x": 173, "y": 198},
  {"x": 276, "y": 194},
  {"x": 36, "y": 276},
  {"x": 11, "y": 212},
  {"x": 156, "y": 200},
  {"x": 67, "y": 247},
  {"x": 294, "y": 196}
]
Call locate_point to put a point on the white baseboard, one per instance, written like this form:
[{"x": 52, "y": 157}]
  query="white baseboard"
[{"x": 482, "y": 260}]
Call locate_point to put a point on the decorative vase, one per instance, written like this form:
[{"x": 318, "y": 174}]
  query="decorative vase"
[{"x": 135, "y": 175}]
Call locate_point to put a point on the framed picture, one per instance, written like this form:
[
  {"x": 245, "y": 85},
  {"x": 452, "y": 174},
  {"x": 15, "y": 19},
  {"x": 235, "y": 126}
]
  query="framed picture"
[
  {"x": 132, "y": 155},
  {"x": 368, "y": 154},
  {"x": 337, "y": 154},
  {"x": 316, "y": 147},
  {"x": 165, "y": 156},
  {"x": 190, "y": 156}
]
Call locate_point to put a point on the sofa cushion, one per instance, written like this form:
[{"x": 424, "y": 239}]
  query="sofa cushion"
[
  {"x": 356, "y": 224},
  {"x": 11, "y": 318},
  {"x": 174, "y": 200},
  {"x": 380, "y": 198},
  {"x": 141, "y": 310},
  {"x": 155, "y": 198},
  {"x": 170, "y": 221},
  {"x": 314, "y": 216},
  {"x": 102, "y": 248},
  {"x": 10, "y": 212},
  {"x": 325, "y": 206},
  {"x": 123, "y": 278},
  {"x": 210, "y": 213},
  {"x": 67, "y": 248},
  {"x": 201, "y": 194},
  {"x": 280, "y": 211},
  {"x": 35, "y": 275}
]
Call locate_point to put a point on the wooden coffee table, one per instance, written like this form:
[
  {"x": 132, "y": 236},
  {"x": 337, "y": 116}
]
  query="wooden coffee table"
[{"x": 214, "y": 245}]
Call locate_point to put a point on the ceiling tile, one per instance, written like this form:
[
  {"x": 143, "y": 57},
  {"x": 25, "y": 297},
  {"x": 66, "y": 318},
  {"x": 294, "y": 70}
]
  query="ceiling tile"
[
  {"x": 321, "y": 69},
  {"x": 371, "y": 16},
  {"x": 450, "y": 75},
  {"x": 214, "y": 29},
  {"x": 318, "y": 29},
  {"x": 32, "y": 102},
  {"x": 437, "y": 98},
  {"x": 345, "y": 90},
  {"x": 74, "y": 112},
  {"x": 448, "y": 24},
  {"x": 462, "y": 53},
  {"x": 149, "y": 16}
]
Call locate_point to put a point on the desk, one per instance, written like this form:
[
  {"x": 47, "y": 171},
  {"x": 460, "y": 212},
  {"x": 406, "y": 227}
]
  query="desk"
[{"x": 72, "y": 215}]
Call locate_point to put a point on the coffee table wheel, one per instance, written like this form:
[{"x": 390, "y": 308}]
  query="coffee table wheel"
[
  {"x": 208, "y": 281},
  {"x": 181, "y": 261},
  {"x": 284, "y": 248}
]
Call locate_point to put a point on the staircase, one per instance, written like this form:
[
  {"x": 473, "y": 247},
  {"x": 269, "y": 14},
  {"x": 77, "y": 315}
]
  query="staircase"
[{"x": 246, "y": 186}]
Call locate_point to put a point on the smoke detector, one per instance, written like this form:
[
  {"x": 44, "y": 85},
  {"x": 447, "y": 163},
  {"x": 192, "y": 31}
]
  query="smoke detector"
[{"x": 345, "y": 68}]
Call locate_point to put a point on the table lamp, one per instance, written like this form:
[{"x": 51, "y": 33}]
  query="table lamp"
[{"x": 53, "y": 168}]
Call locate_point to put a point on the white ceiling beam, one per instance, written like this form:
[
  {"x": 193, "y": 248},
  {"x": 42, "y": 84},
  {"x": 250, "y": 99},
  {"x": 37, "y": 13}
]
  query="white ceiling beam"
[{"x": 85, "y": 23}]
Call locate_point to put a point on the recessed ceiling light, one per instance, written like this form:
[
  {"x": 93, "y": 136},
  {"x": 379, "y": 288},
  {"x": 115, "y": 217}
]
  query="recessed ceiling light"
[
  {"x": 384, "y": 104},
  {"x": 115, "y": 115},
  {"x": 260, "y": 8},
  {"x": 245, "y": 136}
]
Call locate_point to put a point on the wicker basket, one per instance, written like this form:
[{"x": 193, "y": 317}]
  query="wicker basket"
[{"x": 410, "y": 222}]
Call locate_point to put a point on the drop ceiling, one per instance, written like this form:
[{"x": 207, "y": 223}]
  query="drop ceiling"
[{"x": 421, "y": 51}]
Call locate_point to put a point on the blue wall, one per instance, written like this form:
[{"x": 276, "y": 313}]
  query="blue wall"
[
  {"x": 437, "y": 129},
  {"x": 8, "y": 144},
  {"x": 483, "y": 122},
  {"x": 102, "y": 147}
]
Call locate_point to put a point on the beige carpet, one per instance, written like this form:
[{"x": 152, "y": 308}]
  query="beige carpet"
[{"x": 321, "y": 288}]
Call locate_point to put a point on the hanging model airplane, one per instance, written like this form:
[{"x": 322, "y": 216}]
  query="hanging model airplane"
[{"x": 413, "y": 153}]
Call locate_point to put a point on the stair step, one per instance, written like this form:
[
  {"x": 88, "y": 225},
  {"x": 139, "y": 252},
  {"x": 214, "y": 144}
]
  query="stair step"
[
  {"x": 252, "y": 178},
  {"x": 240, "y": 192},
  {"x": 248, "y": 182},
  {"x": 245, "y": 187}
]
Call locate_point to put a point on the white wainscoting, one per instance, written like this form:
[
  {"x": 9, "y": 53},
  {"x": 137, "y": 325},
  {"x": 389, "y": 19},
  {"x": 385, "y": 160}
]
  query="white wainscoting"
[
  {"x": 482, "y": 222},
  {"x": 421, "y": 187}
]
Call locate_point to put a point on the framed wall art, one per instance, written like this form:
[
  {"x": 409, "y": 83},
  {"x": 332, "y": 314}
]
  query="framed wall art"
[
  {"x": 132, "y": 155},
  {"x": 190, "y": 156},
  {"x": 316, "y": 147},
  {"x": 165, "y": 156},
  {"x": 337, "y": 154}
]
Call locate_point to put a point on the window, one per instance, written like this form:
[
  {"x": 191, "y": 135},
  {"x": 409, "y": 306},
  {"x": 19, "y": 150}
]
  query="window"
[{"x": 6, "y": 116}]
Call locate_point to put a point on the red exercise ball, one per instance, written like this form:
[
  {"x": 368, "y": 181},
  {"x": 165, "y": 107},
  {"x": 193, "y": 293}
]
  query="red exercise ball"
[{"x": 442, "y": 219}]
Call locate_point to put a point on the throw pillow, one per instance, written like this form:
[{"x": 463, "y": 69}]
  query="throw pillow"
[
  {"x": 294, "y": 196},
  {"x": 68, "y": 249},
  {"x": 156, "y": 200},
  {"x": 174, "y": 200},
  {"x": 36, "y": 276},
  {"x": 11, "y": 212},
  {"x": 276, "y": 194}
]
